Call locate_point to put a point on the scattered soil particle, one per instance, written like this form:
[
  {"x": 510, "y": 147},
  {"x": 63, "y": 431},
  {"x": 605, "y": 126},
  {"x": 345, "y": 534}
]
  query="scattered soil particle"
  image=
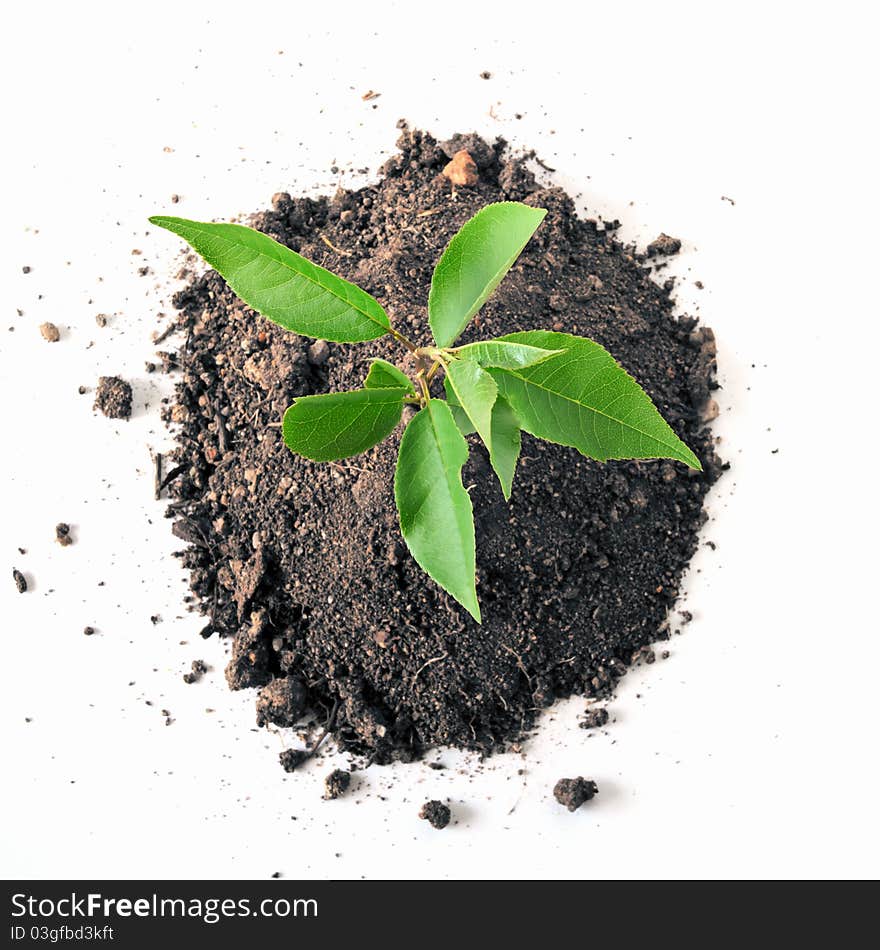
[
  {"x": 336, "y": 783},
  {"x": 89, "y": 631},
  {"x": 50, "y": 332},
  {"x": 436, "y": 813},
  {"x": 595, "y": 718},
  {"x": 302, "y": 564},
  {"x": 113, "y": 397},
  {"x": 663, "y": 245},
  {"x": 573, "y": 792},
  {"x": 63, "y": 535},
  {"x": 197, "y": 671},
  {"x": 26, "y": 269},
  {"x": 101, "y": 319},
  {"x": 292, "y": 759},
  {"x": 20, "y": 580},
  {"x": 485, "y": 74}
]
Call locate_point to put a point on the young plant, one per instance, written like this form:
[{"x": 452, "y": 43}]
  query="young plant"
[{"x": 562, "y": 388}]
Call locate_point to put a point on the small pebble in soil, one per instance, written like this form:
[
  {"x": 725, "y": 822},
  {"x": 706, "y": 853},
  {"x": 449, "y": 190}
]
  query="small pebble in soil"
[
  {"x": 573, "y": 792},
  {"x": 113, "y": 397},
  {"x": 20, "y": 581},
  {"x": 292, "y": 759},
  {"x": 436, "y": 813},
  {"x": 336, "y": 783},
  {"x": 594, "y": 718},
  {"x": 89, "y": 631},
  {"x": 101, "y": 319},
  {"x": 62, "y": 534},
  {"x": 199, "y": 668},
  {"x": 50, "y": 332}
]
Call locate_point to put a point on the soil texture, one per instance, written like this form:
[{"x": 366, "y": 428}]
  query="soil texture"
[{"x": 302, "y": 564}]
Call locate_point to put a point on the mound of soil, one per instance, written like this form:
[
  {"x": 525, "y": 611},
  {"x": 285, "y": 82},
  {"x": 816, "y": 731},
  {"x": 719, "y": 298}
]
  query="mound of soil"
[{"x": 303, "y": 565}]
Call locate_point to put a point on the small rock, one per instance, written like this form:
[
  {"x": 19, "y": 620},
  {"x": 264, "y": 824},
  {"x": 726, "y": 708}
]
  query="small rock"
[
  {"x": 663, "y": 244},
  {"x": 50, "y": 332},
  {"x": 89, "y": 631},
  {"x": 573, "y": 792},
  {"x": 436, "y": 813},
  {"x": 20, "y": 580},
  {"x": 336, "y": 783},
  {"x": 709, "y": 411},
  {"x": 101, "y": 319},
  {"x": 462, "y": 170},
  {"x": 319, "y": 353}
]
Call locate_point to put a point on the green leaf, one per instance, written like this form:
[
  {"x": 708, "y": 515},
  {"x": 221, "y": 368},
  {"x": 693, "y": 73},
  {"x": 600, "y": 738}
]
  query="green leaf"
[
  {"x": 476, "y": 407},
  {"x": 585, "y": 399},
  {"x": 465, "y": 426},
  {"x": 506, "y": 442},
  {"x": 474, "y": 263},
  {"x": 281, "y": 285},
  {"x": 436, "y": 517},
  {"x": 501, "y": 354},
  {"x": 338, "y": 425},
  {"x": 385, "y": 375},
  {"x": 475, "y": 391}
]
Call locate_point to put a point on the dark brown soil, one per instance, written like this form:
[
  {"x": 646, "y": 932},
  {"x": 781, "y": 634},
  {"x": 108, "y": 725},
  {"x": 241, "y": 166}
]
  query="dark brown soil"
[
  {"x": 436, "y": 813},
  {"x": 113, "y": 397},
  {"x": 63, "y": 535},
  {"x": 573, "y": 792},
  {"x": 302, "y": 564},
  {"x": 336, "y": 783}
]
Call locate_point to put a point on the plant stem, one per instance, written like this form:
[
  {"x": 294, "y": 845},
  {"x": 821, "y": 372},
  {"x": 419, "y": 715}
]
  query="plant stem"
[
  {"x": 432, "y": 372},
  {"x": 402, "y": 339},
  {"x": 423, "y": 385}
]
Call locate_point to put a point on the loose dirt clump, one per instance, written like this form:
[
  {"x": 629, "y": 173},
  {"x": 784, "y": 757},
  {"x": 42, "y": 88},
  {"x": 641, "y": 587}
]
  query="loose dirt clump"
[
  {"x": 63, "y": 535},
  {"x": 436, "y": 814},
  {"x": 336, "y": 783},
  {"x": 49, "y": 332},
  {"x": 113, "y": 397},
  {"x": 302, "y": 565},
  {"x": 573, "y": 792}
]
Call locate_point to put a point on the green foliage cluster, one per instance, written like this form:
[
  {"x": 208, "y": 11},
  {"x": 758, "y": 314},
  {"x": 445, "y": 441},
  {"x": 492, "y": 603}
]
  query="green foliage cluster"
[{"x": 562, "y": 388}]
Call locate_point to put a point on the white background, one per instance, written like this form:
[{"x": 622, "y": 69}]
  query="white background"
[{"x": 752, "y": 751}]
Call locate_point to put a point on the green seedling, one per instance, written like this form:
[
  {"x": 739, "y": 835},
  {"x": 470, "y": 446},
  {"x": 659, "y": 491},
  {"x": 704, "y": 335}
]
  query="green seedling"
[{"x": 562, "y": 388}]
